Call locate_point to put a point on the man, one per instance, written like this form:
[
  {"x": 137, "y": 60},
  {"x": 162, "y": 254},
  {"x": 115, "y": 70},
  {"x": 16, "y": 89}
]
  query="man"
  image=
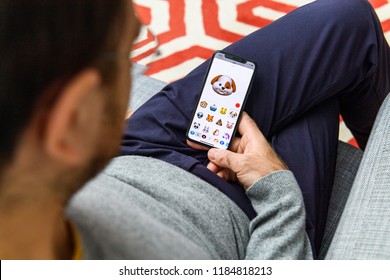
[
  {"x": 64, "y": 89},
  {"x": 70, "y": 125},
  {"x": 64, "y": 94},
  {"x": 65, "y": 86}
]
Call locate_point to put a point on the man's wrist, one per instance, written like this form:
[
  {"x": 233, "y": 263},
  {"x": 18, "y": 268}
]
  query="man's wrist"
[{"x": 271, "y": 177}]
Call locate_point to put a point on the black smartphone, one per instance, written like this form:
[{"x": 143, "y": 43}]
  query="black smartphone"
[{"x": 224, "y": 92}]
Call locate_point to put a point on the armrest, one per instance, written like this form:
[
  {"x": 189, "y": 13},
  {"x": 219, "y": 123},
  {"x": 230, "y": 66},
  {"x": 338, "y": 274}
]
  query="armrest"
[
  {"x": 348, "y": 161},
  {"x": 364, "y": 228},
  {"x": 142, "y": 87}
]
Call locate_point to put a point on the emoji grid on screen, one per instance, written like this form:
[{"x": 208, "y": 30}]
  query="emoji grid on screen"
[{"x": 221, "y": 101}]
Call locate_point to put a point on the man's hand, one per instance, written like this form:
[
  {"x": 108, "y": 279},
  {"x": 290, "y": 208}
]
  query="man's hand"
[{"x": 251, "y": 156}]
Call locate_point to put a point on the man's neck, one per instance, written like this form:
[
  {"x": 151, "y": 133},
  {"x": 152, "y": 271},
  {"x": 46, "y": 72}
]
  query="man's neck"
[{"x": 33, "y": 227}]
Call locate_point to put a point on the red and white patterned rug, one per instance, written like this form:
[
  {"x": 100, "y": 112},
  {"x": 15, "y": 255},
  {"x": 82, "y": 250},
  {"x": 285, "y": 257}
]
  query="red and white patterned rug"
[{"x": 178, "y": 35}]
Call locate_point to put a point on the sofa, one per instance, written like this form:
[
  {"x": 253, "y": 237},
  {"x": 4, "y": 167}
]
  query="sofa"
[{"x": 358, "y": 224}]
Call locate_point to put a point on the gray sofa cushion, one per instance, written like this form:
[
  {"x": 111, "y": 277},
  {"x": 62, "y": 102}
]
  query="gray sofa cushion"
[
  {"x": 348, "y": 160},
  {"x": 364, "y": 228},
  {"x": 143, "y": 87}
]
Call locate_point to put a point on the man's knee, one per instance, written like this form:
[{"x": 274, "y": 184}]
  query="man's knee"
[
  {"x": 351, "y": 12},
  {"x": 345, "y": 16}
]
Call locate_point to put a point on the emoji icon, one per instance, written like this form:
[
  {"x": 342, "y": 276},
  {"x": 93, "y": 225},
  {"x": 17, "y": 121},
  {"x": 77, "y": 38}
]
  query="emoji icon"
[
  {"x": 223, "y": 85},
  {"x": 229, "y": 125},
  {"x": 226, "y": 136},
  {"x": 204, "y": 136},
  {"x": 196, "y": 125},
  {"x": 222, "y": 143},
  {"x": 227, "y": 144},
  {"x": 216, "y": 140},
  {"x": 200, "y": 115},
  {"x": 192, "y": 132},
  {"x": 219, "y": 122},
  {"x": 198, "y": 134},
  {"x": 213, "y": 108},
  {"x": 206, "y": 129},
  {"x": 216, "y": 132},
  {"x": 238, "y": 105},
  {"x": 209, "y": 118},
  {"x": 203, "y": 104},
  {"x": 223, "y": 111},
  {"x": 233, "y": 114}
]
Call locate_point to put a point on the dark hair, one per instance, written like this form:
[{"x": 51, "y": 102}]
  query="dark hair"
[{"x": 44, "y": 43}]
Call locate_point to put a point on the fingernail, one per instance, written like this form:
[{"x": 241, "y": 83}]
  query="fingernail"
[{"x": 212, "y": 154}]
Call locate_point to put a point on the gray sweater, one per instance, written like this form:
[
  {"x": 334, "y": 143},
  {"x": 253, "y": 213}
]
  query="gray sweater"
[{"x": 143, "y": 208}]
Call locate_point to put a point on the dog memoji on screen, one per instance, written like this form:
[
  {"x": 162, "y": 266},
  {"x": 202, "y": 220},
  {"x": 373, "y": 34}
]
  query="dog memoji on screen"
[
  {"x": 221, "y": 101},
  {"x": 223, "y": 85}
]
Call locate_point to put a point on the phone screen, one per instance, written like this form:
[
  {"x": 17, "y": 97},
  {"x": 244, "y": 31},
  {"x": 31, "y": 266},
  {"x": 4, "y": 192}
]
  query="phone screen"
[{"x": 222, "y": 100}]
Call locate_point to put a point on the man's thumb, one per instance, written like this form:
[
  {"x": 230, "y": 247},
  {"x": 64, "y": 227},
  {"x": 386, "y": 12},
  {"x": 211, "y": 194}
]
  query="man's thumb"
[{"x": 223, "y": 158}]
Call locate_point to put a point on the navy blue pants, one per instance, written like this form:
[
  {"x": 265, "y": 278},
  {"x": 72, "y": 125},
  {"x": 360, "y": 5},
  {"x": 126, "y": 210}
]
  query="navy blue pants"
[{"x": 322, "y": 59}]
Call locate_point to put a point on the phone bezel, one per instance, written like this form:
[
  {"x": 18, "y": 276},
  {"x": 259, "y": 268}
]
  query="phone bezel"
[{"x": 233, "y": 57}]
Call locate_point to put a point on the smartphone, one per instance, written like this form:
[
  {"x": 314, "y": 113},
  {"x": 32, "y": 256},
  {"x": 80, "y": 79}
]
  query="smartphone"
[{"x": 224, "y": 92}]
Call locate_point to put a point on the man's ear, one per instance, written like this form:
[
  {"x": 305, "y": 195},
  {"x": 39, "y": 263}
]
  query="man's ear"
[{"x": 73, "y": 123}]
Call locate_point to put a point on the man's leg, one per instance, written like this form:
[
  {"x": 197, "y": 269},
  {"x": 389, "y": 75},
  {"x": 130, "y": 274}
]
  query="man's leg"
[{"x": 326, "y": 49}]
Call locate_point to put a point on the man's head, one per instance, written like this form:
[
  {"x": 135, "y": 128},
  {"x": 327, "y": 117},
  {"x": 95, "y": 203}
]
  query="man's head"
[{"x": 64, "y": 84}]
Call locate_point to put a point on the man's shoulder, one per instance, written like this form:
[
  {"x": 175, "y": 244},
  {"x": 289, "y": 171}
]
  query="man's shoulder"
[{"x": 150, "y": 203}]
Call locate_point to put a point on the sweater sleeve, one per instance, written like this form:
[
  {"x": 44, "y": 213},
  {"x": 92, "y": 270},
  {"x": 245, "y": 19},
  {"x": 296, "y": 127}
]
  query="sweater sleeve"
[{"x": 278, "y": 230}]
